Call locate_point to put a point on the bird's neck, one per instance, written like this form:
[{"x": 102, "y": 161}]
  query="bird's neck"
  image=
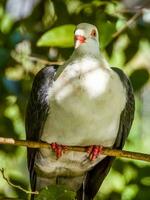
[{"x": 90, "y": 49}]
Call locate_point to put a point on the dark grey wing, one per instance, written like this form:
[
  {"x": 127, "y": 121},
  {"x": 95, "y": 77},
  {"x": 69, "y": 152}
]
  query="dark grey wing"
[
  {"x": 127, "y": 114},
  {"x": 37, "y": 111},
  {"x": 96, "y": 176}
]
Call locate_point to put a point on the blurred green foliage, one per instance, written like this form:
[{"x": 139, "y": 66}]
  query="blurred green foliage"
[
  {"x": 54, "y": 192},
  {"x": 32, "y": 22}
]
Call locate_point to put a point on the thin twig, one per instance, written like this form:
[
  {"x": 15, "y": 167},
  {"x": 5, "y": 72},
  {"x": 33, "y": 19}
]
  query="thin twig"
[
  {"x": 16, "y": 186},
  {"x": 106, "y": 151},
  {"x": 45, "y": 62},
  {"x": 128, "y": 23}
]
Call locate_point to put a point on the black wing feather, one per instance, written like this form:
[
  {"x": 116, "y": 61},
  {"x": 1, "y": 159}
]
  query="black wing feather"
[
  {"x": 96, "y": 176},
  {"x": 36, "y": 114}
]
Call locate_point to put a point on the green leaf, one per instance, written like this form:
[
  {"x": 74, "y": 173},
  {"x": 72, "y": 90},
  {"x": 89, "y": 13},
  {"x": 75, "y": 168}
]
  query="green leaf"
[
  {"x": 139, "y": 78},
  {"x": 6, "y": 24},
  {"x": 56, "y": 192},
  {"x": 106, "y": 31},
  {"x": 61, "y": 36}
]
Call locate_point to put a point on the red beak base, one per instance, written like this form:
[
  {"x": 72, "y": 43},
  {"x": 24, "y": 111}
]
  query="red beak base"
[{"x": 80, "y": 38}]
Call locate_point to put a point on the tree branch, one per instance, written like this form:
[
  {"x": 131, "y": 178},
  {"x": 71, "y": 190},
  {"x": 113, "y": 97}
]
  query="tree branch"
[
  {"x": 128, "y": 23},
  {"x": 16, "y": 186},
  {"x": 105, "y": 150},
  {"x": 45, "y": 62}
]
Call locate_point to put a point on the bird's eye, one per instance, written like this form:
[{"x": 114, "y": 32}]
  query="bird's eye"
[{"x": 93, "y": 33}]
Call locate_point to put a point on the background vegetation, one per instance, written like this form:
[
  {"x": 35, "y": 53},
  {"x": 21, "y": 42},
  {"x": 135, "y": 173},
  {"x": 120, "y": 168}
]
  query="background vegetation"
[{"x": 22, "y": 25}]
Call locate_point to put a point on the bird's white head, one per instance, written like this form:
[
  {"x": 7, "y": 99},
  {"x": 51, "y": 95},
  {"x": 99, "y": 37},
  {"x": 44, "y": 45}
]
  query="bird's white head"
[{"x": 86, "y": 38}]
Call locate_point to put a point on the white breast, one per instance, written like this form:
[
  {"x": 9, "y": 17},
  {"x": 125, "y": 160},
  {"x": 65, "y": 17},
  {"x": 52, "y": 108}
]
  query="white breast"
[{"x": 85, "y": 106}]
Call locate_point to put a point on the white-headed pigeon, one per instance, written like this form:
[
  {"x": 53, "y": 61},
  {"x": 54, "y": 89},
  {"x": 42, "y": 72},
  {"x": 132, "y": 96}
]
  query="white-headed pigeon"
[{"x": 84, "y": 103}]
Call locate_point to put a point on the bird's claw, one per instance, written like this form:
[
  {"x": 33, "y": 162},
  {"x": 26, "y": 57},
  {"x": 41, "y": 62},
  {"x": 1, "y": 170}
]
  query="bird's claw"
[
  {"x": 94, "y": 151},
  {"x": 58, "y": 149}
]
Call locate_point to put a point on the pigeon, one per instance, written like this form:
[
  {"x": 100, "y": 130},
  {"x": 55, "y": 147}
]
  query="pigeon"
[{"x": 85, "y": 103}]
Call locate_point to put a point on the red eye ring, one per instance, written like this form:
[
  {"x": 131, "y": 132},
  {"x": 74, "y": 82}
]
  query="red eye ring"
[{"x": 93, "y": 33}]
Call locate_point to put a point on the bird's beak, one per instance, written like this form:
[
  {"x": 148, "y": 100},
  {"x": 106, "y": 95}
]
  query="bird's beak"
[{"x": 79, "y": 39}]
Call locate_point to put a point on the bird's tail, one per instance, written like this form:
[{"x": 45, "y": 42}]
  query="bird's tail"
[
  {"x": 33, "y": 184},
  {"x": 94, "y": 179}
]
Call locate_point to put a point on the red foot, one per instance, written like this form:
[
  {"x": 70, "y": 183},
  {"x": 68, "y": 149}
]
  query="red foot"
[
  {"x": 94, "y": 151},
  {"x": 58, "y": 149}
]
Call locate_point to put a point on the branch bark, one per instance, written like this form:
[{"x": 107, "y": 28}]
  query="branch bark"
[{"x": 105, "y": 151}]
